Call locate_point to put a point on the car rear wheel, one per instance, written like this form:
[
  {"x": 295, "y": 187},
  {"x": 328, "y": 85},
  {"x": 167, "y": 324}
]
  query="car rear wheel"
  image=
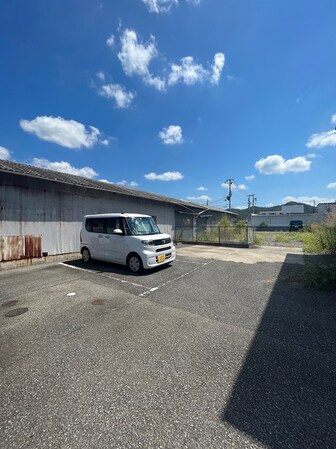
[
  {"x": 86, "y": 256},
  {"x": 134, "y": 263}
]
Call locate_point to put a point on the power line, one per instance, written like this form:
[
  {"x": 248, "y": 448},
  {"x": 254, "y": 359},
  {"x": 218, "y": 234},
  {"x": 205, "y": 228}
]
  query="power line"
[{"x": 219, "y": 200}]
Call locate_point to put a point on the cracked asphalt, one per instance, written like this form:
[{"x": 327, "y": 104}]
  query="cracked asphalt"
[{"x": 205, "y": 353}]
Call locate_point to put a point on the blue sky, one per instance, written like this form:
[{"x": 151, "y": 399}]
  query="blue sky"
[{"x": 175, "y": 97}]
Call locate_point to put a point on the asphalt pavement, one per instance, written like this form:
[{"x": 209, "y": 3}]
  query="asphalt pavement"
[{"x": 205, "y": 353}]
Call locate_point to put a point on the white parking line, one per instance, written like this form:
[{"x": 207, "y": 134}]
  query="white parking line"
[
  {"x": 122, "y": 281},
  {"x": 148, "y": 292},
  {"x": 189, "y": 262}
]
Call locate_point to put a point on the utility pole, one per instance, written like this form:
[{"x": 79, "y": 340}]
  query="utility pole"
[
  {"x": 229, "y": 182},
  {"x": 254, "y": 200}
]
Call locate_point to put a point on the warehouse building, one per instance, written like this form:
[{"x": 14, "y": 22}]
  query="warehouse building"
[{"x": 41, "y": 210}]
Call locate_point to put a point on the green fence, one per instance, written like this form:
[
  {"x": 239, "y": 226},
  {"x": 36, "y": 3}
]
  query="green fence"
[{"x": 220, "y": 235}]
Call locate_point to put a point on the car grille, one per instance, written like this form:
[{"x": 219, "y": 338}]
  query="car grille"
[
  {"x": 163, "y": 249},
  {"x": 162, "y": 241}
]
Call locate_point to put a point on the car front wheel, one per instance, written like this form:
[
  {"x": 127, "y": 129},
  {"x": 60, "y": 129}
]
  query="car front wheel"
[{"x": 134, "y": 263}]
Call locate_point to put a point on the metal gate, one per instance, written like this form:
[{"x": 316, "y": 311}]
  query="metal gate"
[{"x": 215, "y": 235}]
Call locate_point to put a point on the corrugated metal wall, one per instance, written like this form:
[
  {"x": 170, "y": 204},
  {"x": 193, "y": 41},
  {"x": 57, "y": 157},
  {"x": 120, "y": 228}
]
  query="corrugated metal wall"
[{"x": 31, "y": 206}]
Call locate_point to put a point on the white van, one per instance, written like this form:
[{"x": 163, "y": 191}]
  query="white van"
[{"x": 125, "y": 238}]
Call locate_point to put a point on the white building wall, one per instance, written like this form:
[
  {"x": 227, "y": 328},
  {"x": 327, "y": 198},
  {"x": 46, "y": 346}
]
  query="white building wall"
[
  {"x": 283, "y": 220},
  {"x": 293, "y": 209},
  {"x": 323, "y": 208}
]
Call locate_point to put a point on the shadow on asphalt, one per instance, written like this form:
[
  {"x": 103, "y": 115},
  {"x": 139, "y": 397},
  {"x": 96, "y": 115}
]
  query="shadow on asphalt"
[
  {"x": 284, "y": 395},
  {"x": 107, "y": 267}
]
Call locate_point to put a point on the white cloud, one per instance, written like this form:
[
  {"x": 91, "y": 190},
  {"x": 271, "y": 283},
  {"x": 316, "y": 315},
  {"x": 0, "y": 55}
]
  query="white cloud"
[
  {"x": 307, "y": 199},
  {"x": 234, "y": 186},
  {"x": 187, "y": 72},
  {"x": 165, "y": 6},
  {"x": 241, "y": 187},
  {"x": 67, "y": 133},
  {"x": 136, "y": 57},
  {"x": 101, "y": 76},
  {"x": 217, "y": 67},
  {"x": 199, "y": 198},
  {"x": 124, "y": 183},
  {"x": 276, "y": 164},
  {"x": 160, "y": 6},
  {"x": 155, "y": 81},
  {"x": 123, "y": 99},
  {"x": 249, "y": 178},
  {"x": 111, "y": 41},
  {"x": 65, "y": 167},
  {"x": 171, "y": 135},
  {"x": 311, "y": 156},
  {"x": 242, "y": 206},
  {"x": 5, "y": 154},
  {"x": 167, "y": 176},
  {"x": 325, "y": 139},
  {"x": 202, "y": 189},
  {"x": 331, "y": 185}
]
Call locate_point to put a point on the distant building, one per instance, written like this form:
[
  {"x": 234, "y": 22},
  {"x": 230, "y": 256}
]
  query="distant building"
[
  {"x": 291, "y": 209},
  {"x": 279, "y": 220},
  {"x": 270, "y": 212},
  {"x": 323, "y": 208}
]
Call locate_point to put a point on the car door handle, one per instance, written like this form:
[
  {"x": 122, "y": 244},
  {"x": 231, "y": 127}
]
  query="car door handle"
[
  {"x": 107, "y": 236},
  {"x": 99, "y": 236}
]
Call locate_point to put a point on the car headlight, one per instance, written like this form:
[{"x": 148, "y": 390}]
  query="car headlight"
[{"x": 147, "y": 242}]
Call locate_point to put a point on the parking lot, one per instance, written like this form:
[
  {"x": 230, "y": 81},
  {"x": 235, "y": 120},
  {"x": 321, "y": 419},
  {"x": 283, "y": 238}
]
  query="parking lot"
[{"x": 205, "y": 353}]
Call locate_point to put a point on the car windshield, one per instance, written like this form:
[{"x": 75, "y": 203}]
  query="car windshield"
[{"x": 142, "y": 226}]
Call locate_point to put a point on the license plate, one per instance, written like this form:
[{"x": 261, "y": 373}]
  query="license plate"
[{"x": 161, "y": 259}]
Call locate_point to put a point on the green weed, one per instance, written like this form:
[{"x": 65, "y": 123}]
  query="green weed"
[{"x": 316, "y": 276}]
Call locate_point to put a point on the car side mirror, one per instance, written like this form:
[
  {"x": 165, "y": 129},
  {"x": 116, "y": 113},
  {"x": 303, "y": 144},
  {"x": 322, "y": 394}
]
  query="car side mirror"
[{"x": 118, "y": 231}]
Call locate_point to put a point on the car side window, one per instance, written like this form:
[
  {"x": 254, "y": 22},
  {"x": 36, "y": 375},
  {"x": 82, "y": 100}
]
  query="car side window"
[
  {"x": 113, "y": 223},
  {"x": 99, "y": 225},
  {"x": 88, "y": 224}
]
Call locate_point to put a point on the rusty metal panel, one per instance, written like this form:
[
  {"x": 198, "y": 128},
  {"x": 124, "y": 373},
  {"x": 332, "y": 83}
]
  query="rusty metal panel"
[
  {"x": 20, "y": 247},
  {"x": 11, "y": 248},
  {"x": 32, "y": 246}
]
